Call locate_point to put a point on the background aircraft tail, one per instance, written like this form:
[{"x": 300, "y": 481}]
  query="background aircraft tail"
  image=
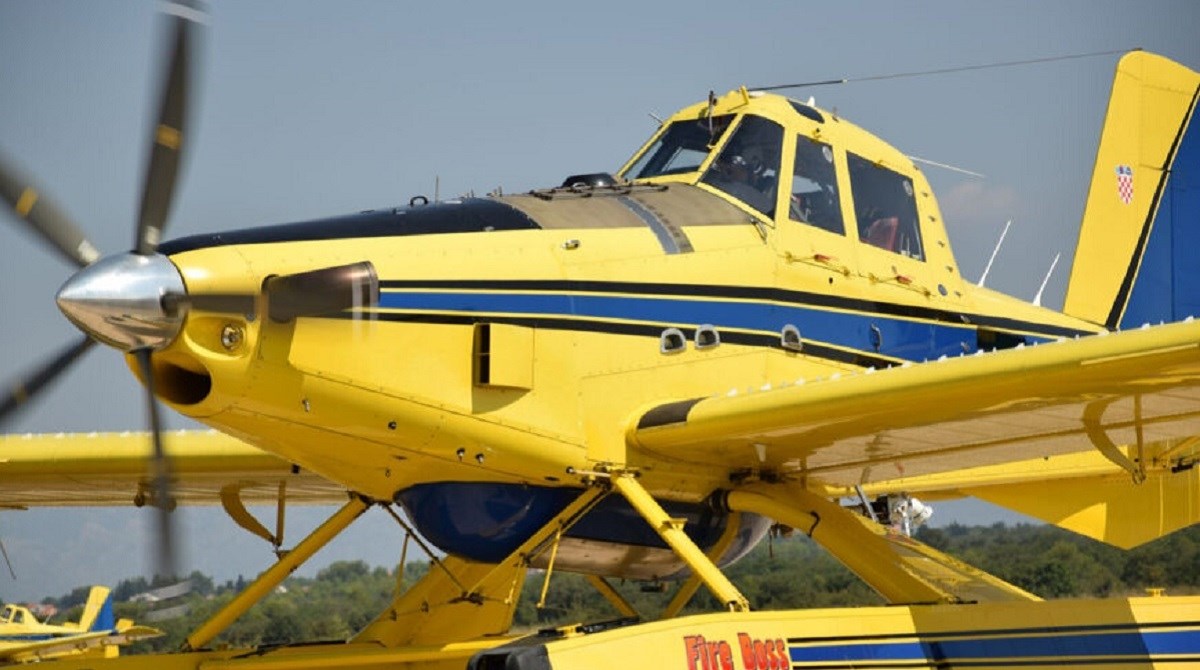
[
  {"x": 1136, "y": 257},
  {"x": 97, "y": 611}
]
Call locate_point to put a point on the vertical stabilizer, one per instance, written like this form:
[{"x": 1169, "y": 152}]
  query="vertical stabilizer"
[
  {"x": 98, "y": 611},
  {"x": 1135, "y": 259}
]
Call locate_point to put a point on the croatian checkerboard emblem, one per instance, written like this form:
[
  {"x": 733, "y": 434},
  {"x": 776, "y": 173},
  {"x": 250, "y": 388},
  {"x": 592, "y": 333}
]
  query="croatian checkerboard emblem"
[{"x": 1125, "y": 183}]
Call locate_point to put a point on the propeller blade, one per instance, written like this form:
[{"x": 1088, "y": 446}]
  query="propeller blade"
[
  {"x": 25, "y": 389},
  {"x": 165, "y": 554},
  {"x": 44, "y": 217},
  {"x": 325, "y": 291},
  {"x": 7, "y": 562},
  {"x": 169, "y": 139}
]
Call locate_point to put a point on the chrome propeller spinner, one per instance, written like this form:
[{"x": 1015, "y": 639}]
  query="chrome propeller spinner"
[{"x": 119, "y": 300}]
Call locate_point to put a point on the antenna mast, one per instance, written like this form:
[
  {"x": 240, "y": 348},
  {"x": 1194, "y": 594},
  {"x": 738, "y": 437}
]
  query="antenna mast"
[
  {"x": 1037, "y": 299},
  {"x": 996, "y": 250}
]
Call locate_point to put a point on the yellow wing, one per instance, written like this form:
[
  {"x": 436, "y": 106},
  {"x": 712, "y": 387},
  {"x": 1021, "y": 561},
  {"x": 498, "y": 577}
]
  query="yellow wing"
[
  {"x": 21, "y": 652},
  {"x": 1126, "y": 403},
  {"x": 100, "y": 644},
  {"x": 113, "y": 469}
]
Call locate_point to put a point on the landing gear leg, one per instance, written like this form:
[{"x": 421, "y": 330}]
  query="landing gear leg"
[
  {"x": 671, "y": 531},
  {"x": 272, "y": 576},
  {"x": 900, "y": 568}
]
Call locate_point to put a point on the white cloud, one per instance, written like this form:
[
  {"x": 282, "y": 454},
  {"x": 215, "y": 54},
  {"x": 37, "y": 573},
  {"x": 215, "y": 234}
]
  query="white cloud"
[{"x": 974, "y": 204}]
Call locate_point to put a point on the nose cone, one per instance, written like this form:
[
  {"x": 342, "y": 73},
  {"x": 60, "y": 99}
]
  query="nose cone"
[{"x": 119, "y": 301}]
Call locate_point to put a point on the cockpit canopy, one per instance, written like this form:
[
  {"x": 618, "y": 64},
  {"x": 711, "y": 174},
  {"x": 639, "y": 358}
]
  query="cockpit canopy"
[
  {"x": 781, "y": 159},
  {"x": 682, "y": 148},
  {"x": 13, "y": 615}
]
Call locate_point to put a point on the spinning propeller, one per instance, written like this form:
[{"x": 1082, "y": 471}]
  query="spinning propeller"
[
  {"x": 100, "y": 299},
  {"x": 136, "y": 301}
]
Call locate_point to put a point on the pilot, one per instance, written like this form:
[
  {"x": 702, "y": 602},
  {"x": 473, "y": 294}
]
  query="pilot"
[
  {"x": 736, "y": 168},
  {"x": 739, "y": 175}
]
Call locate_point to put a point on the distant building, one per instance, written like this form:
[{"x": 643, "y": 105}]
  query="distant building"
[{"x": 42, "y": 611}]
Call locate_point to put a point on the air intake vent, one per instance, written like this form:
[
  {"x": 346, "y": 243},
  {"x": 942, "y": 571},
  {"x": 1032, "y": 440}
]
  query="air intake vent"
[{"x": 503, "y": 355}]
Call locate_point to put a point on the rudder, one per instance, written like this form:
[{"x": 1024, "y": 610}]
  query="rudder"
[
  {"x": 1141, "y": 225},
  {"x": 97, "y": 613}
]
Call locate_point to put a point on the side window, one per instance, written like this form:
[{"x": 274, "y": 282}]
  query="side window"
[
  {"x": 885, "y": 208},
  {"x": 748, "y": 167},
  {"x": 814, "y": 187}
]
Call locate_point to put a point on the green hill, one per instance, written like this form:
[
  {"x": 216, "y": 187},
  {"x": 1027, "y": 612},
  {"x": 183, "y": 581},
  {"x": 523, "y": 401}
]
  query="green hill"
[{"x": 781, "y": 573}]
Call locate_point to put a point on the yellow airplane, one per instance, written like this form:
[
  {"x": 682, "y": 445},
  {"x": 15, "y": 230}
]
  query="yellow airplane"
[
  {"x": 757, "y": 320},
  {"x": 97, "y": 634}
]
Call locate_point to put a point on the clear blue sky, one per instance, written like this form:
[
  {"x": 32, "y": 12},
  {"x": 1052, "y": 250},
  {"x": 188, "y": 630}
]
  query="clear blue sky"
[{"x": 308, "y": 109}]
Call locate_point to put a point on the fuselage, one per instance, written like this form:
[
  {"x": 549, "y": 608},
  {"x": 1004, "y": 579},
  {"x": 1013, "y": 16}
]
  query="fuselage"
[
  {"x": 518, "y": 338},
  {"x": 18, "y": 625}
]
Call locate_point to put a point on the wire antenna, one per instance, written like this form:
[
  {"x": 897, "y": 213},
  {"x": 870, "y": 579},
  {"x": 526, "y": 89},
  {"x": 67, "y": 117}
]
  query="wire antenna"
[
  {"x": 945, "y": 70},
  {"x": 945, "y": 166}
]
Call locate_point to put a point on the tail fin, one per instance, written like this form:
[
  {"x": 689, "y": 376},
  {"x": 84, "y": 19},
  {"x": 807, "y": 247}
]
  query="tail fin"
[
  {"x": 1135, "y": 261},
  {"x": 98, "y": 611}
]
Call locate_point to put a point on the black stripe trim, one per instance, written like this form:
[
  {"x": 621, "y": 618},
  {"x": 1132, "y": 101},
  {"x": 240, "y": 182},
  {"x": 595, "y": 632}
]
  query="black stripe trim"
[
  {"x": 664, "y": 415},
  {"x": 815, "y": 349},
  {"x": 469, "y": 215},
  {"x": 802, "y": 298},
  {"x": 1135, "y": 261},
  {"x": 998, "y": 663},
  {"x": 858, "y": 664},
  {"x": 982, "y": 633}
]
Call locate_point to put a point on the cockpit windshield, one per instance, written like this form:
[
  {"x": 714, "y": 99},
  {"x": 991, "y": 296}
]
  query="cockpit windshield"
[
  {"x": 12, "y": 615},
  {"x": 681, "y": 148},
  {"x": 748, "y": 167}
]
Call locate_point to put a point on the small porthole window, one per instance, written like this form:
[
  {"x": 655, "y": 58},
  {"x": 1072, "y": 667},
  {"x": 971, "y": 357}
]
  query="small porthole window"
[
  {"x": 789, "y": 338},
  {"x": 672, "y": 341},
  {"x": 707, "y": 336}
]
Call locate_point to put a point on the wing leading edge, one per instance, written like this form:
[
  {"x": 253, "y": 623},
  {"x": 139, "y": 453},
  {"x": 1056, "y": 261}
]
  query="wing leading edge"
[
  {"x": 1129, "y": 402},
  {"x": 111, "y": 469}
]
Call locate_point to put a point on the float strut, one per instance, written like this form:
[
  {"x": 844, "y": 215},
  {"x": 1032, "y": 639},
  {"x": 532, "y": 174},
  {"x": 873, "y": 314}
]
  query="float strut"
[
  {"x": 272, "y": 576},
  {"x": 612, "y": 595},
  {"x": 671, "y": 531}
]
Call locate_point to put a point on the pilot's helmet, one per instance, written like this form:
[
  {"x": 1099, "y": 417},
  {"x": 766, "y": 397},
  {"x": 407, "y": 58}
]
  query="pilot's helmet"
[
  {"x": 750, "y": 160},
  {"x": 737, "y": 161},
  {"x": 753, "y": 156}
]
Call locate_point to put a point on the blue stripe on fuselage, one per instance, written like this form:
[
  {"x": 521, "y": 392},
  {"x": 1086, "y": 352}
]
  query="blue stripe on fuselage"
[
  {"x": 899, "y": 338},
  {"x": 1134, "y": 645}
]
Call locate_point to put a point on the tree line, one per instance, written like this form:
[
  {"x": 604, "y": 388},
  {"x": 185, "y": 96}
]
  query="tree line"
[{"x": 781, "y": 573}]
